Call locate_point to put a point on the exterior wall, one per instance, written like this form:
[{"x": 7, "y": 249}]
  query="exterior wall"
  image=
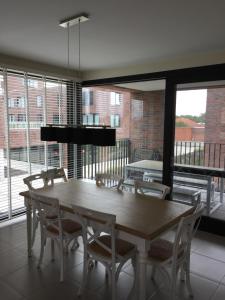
[
  {"x": 147, "y": 118},
  {"x": 183, "y": 134},
  {"x": 215, "y": 126},
  {"x": 190, "y": 134},
  {"x": 215, "y": 116},
  {"x": 102, "y": 106},
  {"x": 198, "y": 134}
]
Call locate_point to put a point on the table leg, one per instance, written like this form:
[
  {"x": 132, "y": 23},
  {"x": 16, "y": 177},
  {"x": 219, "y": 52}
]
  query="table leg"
[
  {"x": 143, "y": 247},
  {"x": 29, "y": 226},
  {"x": 141, "y": 275}
]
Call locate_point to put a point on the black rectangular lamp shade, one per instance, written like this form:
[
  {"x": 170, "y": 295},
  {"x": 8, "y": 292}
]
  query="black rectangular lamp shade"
[{"x": 99, "y": 136}]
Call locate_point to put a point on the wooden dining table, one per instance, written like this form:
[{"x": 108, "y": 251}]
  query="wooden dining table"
[{"x": 139, "y": 218}]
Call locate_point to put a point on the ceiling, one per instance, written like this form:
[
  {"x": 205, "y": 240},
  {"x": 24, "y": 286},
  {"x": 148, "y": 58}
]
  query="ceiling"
[{"x": 118, "y": 34}]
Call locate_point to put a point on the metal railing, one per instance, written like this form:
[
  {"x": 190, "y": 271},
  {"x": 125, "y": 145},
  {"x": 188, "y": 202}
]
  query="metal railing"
[
  {"x": 200, "y": 154},
  {"x": 111, "y": 159}
]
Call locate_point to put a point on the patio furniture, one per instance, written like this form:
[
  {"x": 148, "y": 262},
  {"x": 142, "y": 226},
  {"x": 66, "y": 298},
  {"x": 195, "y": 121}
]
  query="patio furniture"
[
  {"x": 101, "y": 244},
  {"x": 192, "y": 176},
  {"x": 144, "y": 153},
  {"x": 53, "y": 226},
  {"x": 151, "y": 188},
  {"x": 186, "y": 194}
]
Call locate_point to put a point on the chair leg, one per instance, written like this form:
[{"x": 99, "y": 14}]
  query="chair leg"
[
  {"x": 43, "y": 242},
  {"x": 188, "y": 282},
  {"x": 61, "y": 249},
  {"x": 34, "y": 228},
  {"x": 153, "y": 272},
  {"x": 52, "y": 250},
  {"x": 113, "y": 282},
  {"x": 173, "y": 284},
  {"x": 85, "y": 275}
]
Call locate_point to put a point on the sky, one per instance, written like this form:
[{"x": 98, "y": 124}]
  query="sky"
[{"x": 191, "y": 102}]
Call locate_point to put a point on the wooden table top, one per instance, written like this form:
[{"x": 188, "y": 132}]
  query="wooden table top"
[{"x": 140, "y": 215}]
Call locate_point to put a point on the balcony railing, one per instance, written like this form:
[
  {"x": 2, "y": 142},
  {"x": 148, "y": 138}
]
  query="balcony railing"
[
  {"x": 200, "y": 154},
  {"x": 113, "y": 159},
  {"x": 110, "y": 159}
]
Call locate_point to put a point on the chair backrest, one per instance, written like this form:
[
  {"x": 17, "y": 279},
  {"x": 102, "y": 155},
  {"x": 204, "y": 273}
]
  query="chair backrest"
[
  {"x": 53, "y": 175},
  {"x": 94, "y": 224},
  {"x": 157, "y": 189},
  {"x": 185, "y": 232},
  {"x": 48, "y": 210},
  {"x": 35, "y": 181},
  {"x": 109, "y": 180}
]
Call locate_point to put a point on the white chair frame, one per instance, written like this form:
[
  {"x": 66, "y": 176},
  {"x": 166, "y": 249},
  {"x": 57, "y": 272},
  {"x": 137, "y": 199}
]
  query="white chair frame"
[
  {"x": 141, "y": 187},
  {"x": 94, "y": 224},
  {"x": 103, "y": 178},
  {"x": 47, "y": 207},
  {"x": 181, "y": 250},
  {"x": 51, "y": 175},
  {"x": 28, "y": 181}
]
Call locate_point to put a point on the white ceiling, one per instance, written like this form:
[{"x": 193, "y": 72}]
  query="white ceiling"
[{"x": 120, "y": 33}]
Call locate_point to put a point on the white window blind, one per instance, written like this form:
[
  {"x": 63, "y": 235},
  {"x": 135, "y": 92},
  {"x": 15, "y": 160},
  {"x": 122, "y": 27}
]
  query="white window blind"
[{"x": 27, "y": 103}]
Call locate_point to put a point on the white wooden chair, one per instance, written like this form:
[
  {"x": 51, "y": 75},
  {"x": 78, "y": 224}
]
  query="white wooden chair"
[
  {"x": 53, "y": 226},
  {"x": 109, "y": 180},
  {"x": 151, "y": 188},
  {"x": 101, "y": 244},
  {"x": 54, "y": 175},
  {"x": 176, "y": 254},
  {"x": 34, "y": 182}
]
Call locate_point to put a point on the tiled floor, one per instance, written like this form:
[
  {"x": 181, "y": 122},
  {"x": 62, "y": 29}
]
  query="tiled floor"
[{"x": 21, "y": 280}]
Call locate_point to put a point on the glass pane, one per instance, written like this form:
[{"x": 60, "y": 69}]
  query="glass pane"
[
  {"x": 136, "y": 111},
  {"x": 199, "y": 147}
]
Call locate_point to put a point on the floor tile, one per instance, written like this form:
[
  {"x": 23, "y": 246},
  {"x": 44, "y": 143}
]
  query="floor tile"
[
  {"x": 8, "y": 293},
  {"x": 207, "y": 267},
  {"x": 203, "y": 289},
  {"x": 210, "y": 245},
  {"x": 220, "y": 293},
  {"x": 21, "y": 280}
]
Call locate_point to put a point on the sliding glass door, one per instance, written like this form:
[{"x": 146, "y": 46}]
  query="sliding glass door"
[{"x": 199, "y": 150}]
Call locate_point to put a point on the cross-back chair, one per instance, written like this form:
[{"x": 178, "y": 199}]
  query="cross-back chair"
[
  {"x": 53, "y": 226},
  {"x": 101, "y": 244},
  {"x": 54, "y": 175},
  {"x": 151, "y": 188},
  {"x": 34, "y": 182},
  {"x": 176, "y": 254},
  {"x": 109, "y": 180}
]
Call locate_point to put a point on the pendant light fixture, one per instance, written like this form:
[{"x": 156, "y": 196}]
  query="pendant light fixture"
[{"x": 99, "y": 135}]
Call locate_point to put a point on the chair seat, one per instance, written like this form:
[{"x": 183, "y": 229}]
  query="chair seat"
[
  {"x": 68, "y": 226},
  {"x": 162, "y": 250},
  {"x": 122, "y": 247}
]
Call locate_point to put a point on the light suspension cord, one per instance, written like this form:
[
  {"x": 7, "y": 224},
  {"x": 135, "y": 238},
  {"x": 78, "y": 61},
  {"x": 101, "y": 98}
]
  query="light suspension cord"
[
  {"x": 79, "y": 47},
  {"x": 68, "y": 45}
]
